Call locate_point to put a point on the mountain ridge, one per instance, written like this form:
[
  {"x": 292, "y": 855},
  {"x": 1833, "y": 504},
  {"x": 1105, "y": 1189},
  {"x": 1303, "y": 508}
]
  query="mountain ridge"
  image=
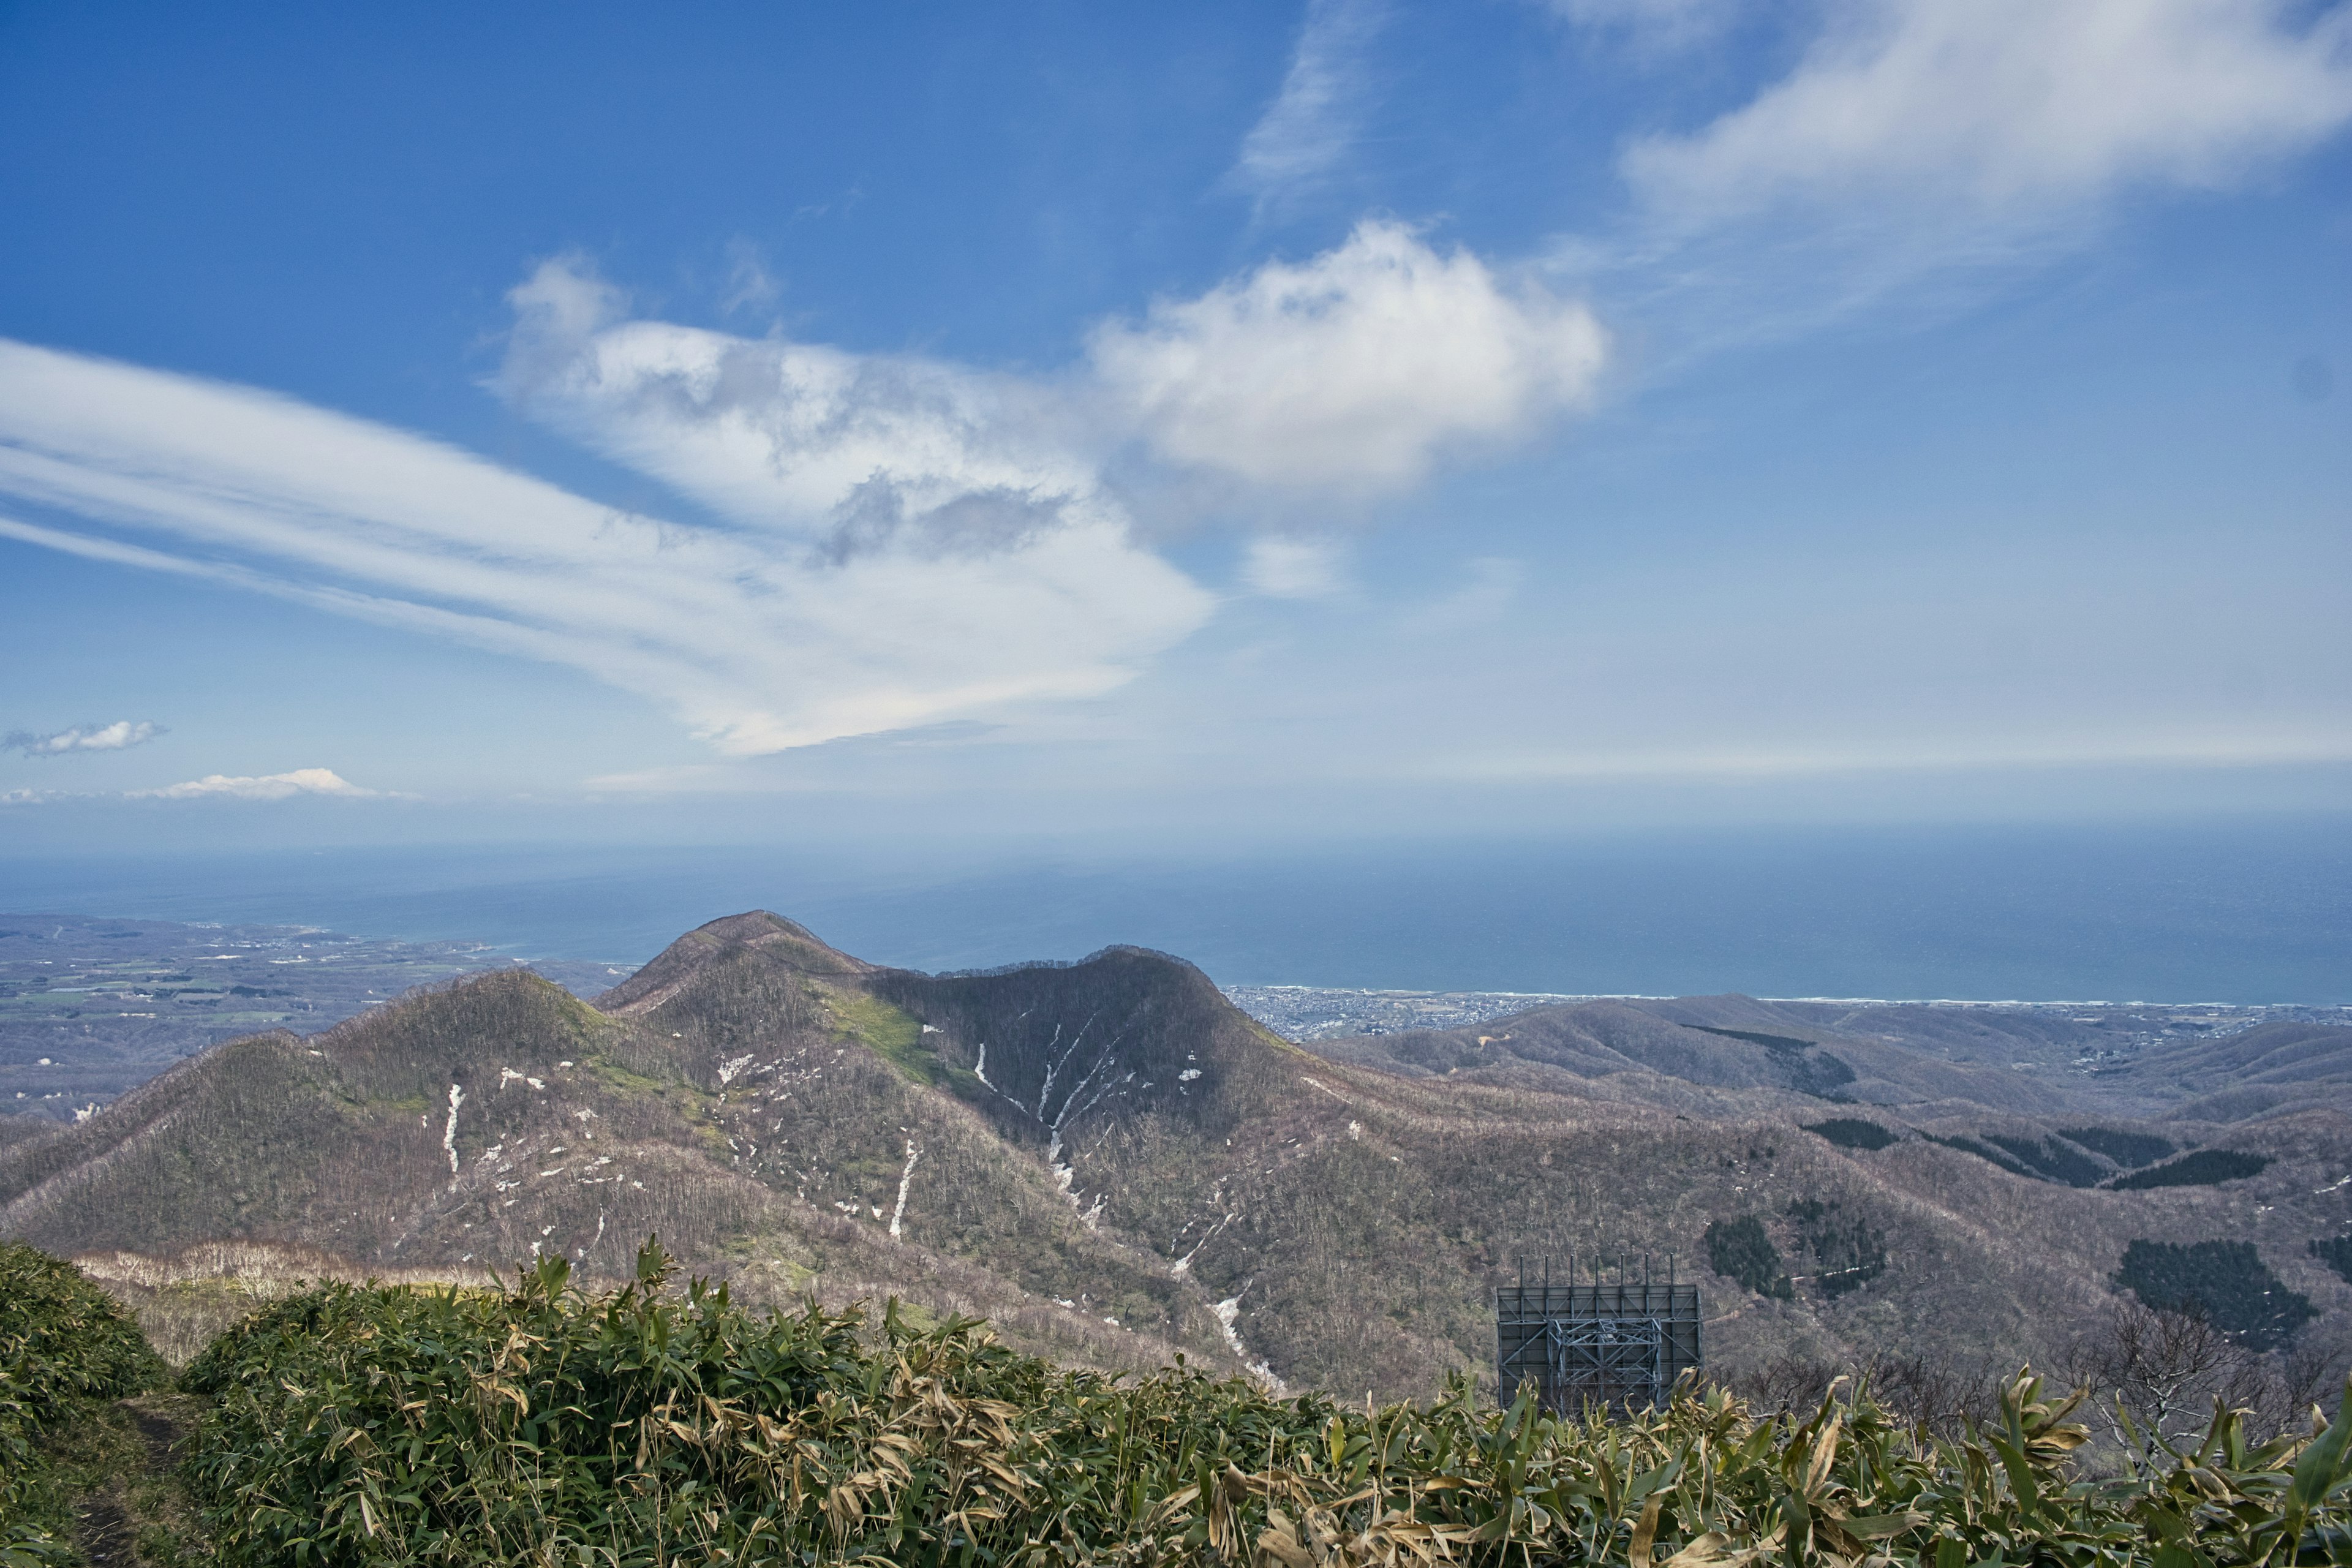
[{"x": 1119, "y": 1166}]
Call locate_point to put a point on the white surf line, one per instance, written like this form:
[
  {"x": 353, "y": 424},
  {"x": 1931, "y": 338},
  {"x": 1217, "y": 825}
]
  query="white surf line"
[
  {"x": 450, "y": 1133},
  {"x": 906, "y": 1179}
]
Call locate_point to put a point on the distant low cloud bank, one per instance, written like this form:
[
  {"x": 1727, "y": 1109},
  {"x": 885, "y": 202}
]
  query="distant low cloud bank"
[
  {"x": 268, "y": 787},
  {"x": 118, "y": 736},
  {"x": 324, "y": 781}
]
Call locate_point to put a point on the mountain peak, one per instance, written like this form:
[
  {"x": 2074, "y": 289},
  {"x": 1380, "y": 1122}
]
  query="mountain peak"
[{"x": 681, "y": 961}]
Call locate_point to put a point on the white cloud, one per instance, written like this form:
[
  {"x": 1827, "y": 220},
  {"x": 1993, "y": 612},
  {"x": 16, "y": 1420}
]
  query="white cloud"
[
  {"x": 853, "y": 454},
  {"x": 1654, "y": 25},
  {"x": 1313, "y": 121},
  {"x": 1493, "y": 583},
  {"x": 1964, "y": 112},
  {"x": 268, "y": 787},
  {"x": 1354, "y": 370},
  {"x": 897, "y": 542},
  {"x": 115, "y": 737},
  {"x": 889, "y": 568},
  {"x": 750, "y": 285},
  {"x": 1282, "y": 567}
]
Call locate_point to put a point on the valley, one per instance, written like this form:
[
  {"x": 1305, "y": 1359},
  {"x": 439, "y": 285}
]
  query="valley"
[{"x": 90, "y": 1008}]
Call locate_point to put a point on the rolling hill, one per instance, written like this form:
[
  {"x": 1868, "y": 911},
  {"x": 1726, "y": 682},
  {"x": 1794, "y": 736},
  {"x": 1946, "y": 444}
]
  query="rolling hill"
[{"x": 1116, "y": 1166}]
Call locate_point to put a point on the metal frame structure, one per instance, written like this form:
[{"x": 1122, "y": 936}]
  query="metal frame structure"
[{"x": 1616, "y": 1344}]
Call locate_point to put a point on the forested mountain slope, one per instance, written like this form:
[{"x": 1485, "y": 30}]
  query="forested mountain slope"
[{"x": 1115, "y": 1164}]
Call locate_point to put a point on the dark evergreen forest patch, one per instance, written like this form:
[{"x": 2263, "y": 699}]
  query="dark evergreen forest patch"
[
  {"x": 1852, "y": 1132},
  {"x": 2052, "y": 1159},
  {"x": 2129, "y": 1150},
  {"x": 2336, "y": 1253},
  {"x": 1846, "y": 1252},
  {"x": 1783, "y": 1044},
  {"x": 2225, "y": 1280},
  {"x": 2205, "y": 1168},
  {"x": 1986, "y": 1152},
  {"x": 1739, "y": 1249}
]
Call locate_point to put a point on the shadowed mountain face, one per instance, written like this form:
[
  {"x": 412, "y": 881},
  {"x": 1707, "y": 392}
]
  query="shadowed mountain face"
[{"x": 1116, "y": 1165}]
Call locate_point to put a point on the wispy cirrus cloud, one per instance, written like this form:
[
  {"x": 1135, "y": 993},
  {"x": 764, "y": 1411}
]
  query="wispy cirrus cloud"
[
  {"x": 2011, "y": 111},
  {"x": 1308, "y": 129},
  {"x": 1916, "y": 153},
  {"x": 754, "y": 638},
  {"x": 120, "y": 735},
  {"x": 1288, "y": 567},
  {"x": 1656, "y": 27}
]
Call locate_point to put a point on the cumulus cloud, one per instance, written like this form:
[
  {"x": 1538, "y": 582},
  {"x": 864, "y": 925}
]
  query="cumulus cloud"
[
  {"x": 1354, "y": 370},
  {"x": 268, "y": 787},
  {"x": 2011, "y": 111},
  {"x": 853, "y": 455},
  {"x": 115, "y": 737},
  {"x": 1308, "y": 129}
]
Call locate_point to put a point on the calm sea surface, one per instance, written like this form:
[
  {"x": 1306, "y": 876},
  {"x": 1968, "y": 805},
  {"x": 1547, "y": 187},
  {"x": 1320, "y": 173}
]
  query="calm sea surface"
[{"x": 2247, "y": 912}]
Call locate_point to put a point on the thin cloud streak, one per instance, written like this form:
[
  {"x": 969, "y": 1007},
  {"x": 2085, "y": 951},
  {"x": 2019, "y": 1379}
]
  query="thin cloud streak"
[
  {"x": 120, "y": 735},
  {"x": 2010, "y": 112},
  {"x": 1307, "y": 130},
  {"x": 1282, "y": 567}
]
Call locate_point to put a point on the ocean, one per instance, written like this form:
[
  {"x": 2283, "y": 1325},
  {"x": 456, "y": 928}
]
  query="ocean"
[{"x": 2257, "y": 911}]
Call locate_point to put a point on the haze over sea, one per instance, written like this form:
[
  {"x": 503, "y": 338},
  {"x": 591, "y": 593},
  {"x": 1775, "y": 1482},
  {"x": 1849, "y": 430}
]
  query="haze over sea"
[{"x": 2249, "y": 910}]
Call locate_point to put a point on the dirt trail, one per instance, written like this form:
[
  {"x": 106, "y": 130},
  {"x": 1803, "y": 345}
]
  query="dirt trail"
[{"x": 140, "y": 1492}]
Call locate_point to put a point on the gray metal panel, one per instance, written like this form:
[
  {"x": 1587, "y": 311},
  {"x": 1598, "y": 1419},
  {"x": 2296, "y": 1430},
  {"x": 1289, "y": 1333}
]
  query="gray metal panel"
[{"x": 1618, "y": 1346}]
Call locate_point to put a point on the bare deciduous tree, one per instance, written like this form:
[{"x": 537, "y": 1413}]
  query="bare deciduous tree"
[{"x": 2158, "y": 1374}]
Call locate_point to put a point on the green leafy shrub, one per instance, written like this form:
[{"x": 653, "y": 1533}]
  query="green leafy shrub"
[
  {"x": 1739, "y": 1249},
  {"x": 2128, "y": 1149},
  {"x": 391, "y": 1425},
  {"x": 64, "y": 1343},
  {"x": 2205, "y": 1168},
  {"x": 1852, "y": 1132},
  {"x": 2226, "y": 1280}
]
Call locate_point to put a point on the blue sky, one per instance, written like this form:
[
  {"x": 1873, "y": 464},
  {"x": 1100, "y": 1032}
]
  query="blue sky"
[{"x": 1367, "y": 419}]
